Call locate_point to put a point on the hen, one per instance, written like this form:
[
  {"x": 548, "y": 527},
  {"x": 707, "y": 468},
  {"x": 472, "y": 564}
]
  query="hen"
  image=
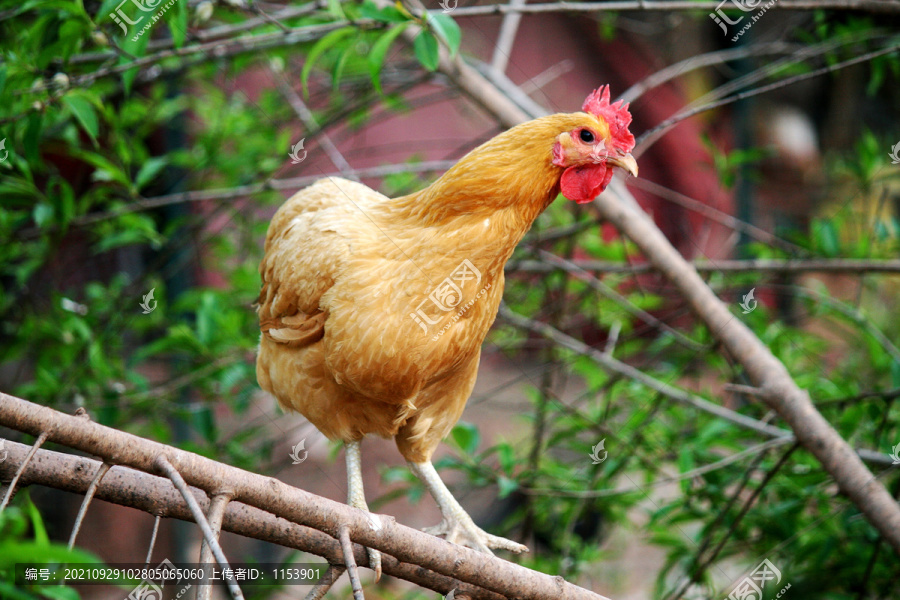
[{"x": 373, "y": 309}]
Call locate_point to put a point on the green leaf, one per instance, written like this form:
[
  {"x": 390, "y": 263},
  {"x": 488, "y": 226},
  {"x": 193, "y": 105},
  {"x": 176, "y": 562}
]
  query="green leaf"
[
  {"x": 379, "y": 52},
  {"x": 507, "y": 486},
  {"x": 12, "y": 552},
  {"x": 336, "y": 10},
  {"x": 426, "y": 49},
  {"x": 135, "y": 47},
  {"x": 84, "y": 112},
  {"x": 106, "y": 170},
  {"x": 507, "y": 457},
  {"x": 37, "y": 523},
  {"x": 320, "y": 47},
  {"x": 149, "y": 170},
  {"x": 338, "y": 69},
  {"x": 466, "y": 437},
  {"x": 58, "y": 592},
  {"x": 446, "y": 29},
  {"x": 42, "y": 214},
  {"x": 178, "y": 23},
  {"x": 32, "y": 138},
  {"x": 388, "y": 14},
  {"x": 685, "y": 464},
  {"x": 827, "y": 238}
]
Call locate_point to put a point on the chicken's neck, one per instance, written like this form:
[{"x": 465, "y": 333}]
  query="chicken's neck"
[{"x": 508, "y": 182}]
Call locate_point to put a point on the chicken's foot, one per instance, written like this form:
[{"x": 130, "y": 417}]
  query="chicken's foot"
[
  {"x": 356, "y": 497},
  {"x": 457, "y": 526}
]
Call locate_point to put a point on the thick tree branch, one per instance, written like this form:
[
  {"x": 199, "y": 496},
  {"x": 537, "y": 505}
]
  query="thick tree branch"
[
  {"x": 764, "y": 370},
  {"x": 294, "y": 504},
  {"x": 158, "y": 496}
]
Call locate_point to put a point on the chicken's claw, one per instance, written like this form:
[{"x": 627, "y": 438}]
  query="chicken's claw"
[{"x": 472, "y": 536}]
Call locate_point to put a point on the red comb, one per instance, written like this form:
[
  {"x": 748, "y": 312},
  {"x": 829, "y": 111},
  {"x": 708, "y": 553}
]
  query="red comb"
[{"x": 616, "y": 116}]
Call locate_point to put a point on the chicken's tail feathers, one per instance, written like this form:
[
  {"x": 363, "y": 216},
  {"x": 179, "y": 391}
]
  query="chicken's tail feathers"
[{"x": 295, "y": 331}]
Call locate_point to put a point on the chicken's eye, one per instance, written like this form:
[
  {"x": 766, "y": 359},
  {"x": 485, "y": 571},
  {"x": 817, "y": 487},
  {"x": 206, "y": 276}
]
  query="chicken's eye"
[{"x": 586, "y": 136}]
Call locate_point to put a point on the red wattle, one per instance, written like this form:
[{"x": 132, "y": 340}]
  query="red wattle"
[{"x": 584, "y": 183}]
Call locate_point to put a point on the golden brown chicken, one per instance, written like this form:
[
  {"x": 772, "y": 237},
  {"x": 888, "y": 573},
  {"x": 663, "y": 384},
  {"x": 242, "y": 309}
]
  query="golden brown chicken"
[{"x": 373, "y": 309}]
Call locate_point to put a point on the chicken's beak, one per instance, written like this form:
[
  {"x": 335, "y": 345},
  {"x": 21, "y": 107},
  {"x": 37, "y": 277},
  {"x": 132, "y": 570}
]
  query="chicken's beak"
[{"x": 626, "y": 162}]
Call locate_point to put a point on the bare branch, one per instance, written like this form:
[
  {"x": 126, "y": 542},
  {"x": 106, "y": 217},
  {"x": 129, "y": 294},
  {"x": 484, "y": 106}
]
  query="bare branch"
[
  {"x": 299, "y": 506},
  {"x": 764, "y": 370},
  {"x": 162, "y": 463},
  {"x": 156, "y": 495}
]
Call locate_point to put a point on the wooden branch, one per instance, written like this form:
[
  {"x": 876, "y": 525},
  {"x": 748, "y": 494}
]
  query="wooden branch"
[
  {"x": 294, "y": 504},
  {"x": 158, "y": 496},
  {"x": 764, "y": 370}
]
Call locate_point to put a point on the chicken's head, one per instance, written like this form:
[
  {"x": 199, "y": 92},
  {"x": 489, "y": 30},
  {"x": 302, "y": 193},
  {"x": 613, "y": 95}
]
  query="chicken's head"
[{"x": 590, "y": 151}]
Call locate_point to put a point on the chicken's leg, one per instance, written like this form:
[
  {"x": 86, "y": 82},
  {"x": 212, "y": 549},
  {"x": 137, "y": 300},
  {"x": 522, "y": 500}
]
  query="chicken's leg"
[
  {"x": 457, "y": 526},
  {"x": 356, "y": 497}
]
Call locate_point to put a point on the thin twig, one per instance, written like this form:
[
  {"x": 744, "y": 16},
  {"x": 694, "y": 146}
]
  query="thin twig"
[
  {"x": 88, "y": 496},
  {"x": 163, "y": 464},
  {"x": 649, "y": 137},
  {"x": 728, "y": 460},
  {"x": 12, "y": 484},
  {"x": 214, "y": 515},
  {"x": 324, "y": 584},
  {"x": 307, "y": 118},
  {"x": 350, "y": 563},
  {"x": 249, "y": 190},
  {"x": 507, "y": 36},
  {"x": 663, "y": 388},
  {"x": 698, "y": 573},
  {"x": 700, "y": 61},
  {"x": 715, "y": 214},
  {"x": 153, "y": 534},
  {"x": 609, "y": 293}
]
